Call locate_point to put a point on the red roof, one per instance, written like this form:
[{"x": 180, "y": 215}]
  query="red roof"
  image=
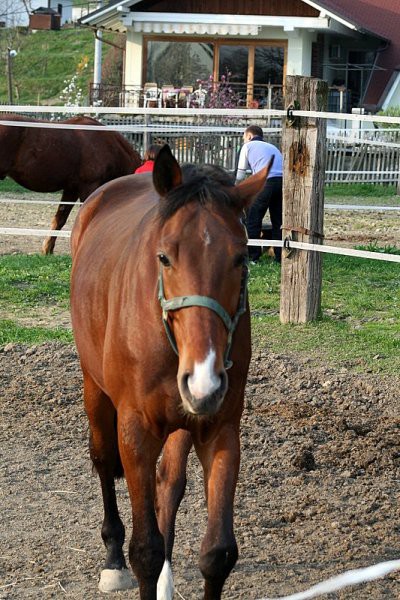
[{"x": 382, "y": 18}]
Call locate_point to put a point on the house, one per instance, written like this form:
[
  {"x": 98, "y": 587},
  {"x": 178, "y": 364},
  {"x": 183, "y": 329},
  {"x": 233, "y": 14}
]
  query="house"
[
  {"x": 354, "y": 45},
  {"x": 17, "y": 13}
]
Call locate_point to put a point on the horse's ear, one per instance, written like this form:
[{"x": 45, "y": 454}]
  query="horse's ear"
[
  {"x": 248, "y": 189},
  {"x": 167, "y": 173}
]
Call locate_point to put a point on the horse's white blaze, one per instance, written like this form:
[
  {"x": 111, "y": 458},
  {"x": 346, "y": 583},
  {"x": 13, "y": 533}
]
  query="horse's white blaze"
[
  {"x": 206, "y": 237},
  {"x": 165, "y": 583},
  {"x": 112, "y": 580},
  {"x": 204, "y": 381}
]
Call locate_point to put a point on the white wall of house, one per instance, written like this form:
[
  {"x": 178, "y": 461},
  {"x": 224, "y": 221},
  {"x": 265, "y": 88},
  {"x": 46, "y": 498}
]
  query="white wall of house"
[
  {"x": 299, "y": 52},
  {"x": 133, "y": 58}
]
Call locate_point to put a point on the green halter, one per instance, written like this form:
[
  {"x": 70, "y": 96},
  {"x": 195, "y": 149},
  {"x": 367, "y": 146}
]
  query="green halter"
[{"x": 185, "y": 301}]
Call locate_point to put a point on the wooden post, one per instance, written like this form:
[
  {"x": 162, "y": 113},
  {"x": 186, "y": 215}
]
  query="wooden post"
[
  {"x": 304, "y": 152},
  {"x": 398, "y": 179}
]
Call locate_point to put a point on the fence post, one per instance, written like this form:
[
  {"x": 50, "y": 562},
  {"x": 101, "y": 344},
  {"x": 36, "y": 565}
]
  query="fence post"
[
  {"x": 304, "y": 152},
  {"x": 398, "y": 177}
]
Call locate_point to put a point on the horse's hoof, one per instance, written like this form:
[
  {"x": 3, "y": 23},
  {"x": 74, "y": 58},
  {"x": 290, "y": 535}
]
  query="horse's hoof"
[
  {"x": 114, "y": 580},
  {"x": 47, "y": 248}
]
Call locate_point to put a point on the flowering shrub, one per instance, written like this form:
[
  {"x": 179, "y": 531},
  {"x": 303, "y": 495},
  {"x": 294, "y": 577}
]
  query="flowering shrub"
[
  {"x": 220, "y": 94},
  {"x": 72, "y": 94}
]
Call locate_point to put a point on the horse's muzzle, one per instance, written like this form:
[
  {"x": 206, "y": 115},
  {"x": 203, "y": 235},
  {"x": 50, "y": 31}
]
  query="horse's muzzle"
[{"x": 207, "y": 404}]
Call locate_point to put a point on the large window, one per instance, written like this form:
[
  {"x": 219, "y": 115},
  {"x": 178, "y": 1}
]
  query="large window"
[
  {"x": 251, "y": 66},
  {"x": 178, "y": 63}
]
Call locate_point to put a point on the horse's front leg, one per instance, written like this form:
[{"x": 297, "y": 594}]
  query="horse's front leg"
[
  {"x": 171, "y": 484},
  {"x": 59, "y": 219},
  {"x": 220, "y": 460},
  {"x": 139, "y": 451}
]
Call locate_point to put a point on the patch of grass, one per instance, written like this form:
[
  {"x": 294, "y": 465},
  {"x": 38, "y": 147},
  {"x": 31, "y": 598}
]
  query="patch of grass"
[
  {"x": 9, "y": 185},
  {"x": 373, "y": 247},
  {"x": 359, "y": 326},
  {"x": 30, "y": 281},
  {"x": 45, "y": 60},
  {"x": 12, "y": 332},
  {"x": 359, "y": 189}
]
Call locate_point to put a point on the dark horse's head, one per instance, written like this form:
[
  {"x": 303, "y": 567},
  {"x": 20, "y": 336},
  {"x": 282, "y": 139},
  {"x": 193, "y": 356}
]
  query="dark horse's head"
[{"x": 202, "y": 254}]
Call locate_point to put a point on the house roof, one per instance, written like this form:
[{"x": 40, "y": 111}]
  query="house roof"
[{"x": 382, "y": 18}]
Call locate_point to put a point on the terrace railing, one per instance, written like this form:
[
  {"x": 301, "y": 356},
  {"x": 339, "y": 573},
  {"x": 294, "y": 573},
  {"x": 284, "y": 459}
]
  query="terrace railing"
[{"x": 218, "y": 94}]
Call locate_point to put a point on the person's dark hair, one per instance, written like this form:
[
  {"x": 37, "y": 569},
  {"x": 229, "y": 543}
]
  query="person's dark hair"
[
  {"x": 254, "y": 130},
  {"x": 152, "y": 151}
]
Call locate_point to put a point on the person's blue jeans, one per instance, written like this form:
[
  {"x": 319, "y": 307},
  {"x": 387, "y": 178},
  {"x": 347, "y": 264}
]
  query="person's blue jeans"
[{"x": 270, "y": 198}]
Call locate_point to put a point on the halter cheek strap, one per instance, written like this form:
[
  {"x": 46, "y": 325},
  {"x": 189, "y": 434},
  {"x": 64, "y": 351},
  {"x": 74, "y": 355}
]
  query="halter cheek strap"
[{"x": 205, "y": 301}]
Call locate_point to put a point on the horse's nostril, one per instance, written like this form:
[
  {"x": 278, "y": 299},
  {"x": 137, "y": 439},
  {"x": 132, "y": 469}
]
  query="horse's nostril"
[
  {"x": 224, "y": 382},
  {"x": 185, "y": 383}
]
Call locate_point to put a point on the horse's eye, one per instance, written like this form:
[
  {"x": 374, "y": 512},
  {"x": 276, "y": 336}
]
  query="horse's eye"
[
  {"x": 164, "y": 260},
  {"x": 240, "y": 260}
]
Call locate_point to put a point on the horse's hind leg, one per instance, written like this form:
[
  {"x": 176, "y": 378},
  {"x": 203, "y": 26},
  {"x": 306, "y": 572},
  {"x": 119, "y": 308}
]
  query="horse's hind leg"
[
  {"x": 105, "y": 456},
  {"x": 59, "y": 219},
  {"x": 171, "y": 484}
]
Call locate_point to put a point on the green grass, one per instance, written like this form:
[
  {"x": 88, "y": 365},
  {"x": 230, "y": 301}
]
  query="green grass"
[
  {"x": 363, "y": 190},
  {"x": 31, "y": 285},
  {"x": 44, "y": 60},
  {"x": 359, "y": 326},
  {"x": 34, "y": 280},
  {"x": 11, "y": 332},
  {"x": 8, "y": 185}
]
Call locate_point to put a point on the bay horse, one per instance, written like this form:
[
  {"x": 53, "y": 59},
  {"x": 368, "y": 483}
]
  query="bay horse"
[
  {"x": 160, "y": 313},
  {"x": 74, "y": 161}
]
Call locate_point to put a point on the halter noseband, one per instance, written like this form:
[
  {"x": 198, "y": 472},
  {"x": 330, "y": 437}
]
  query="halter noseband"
[{"x": 185, "y": 301}]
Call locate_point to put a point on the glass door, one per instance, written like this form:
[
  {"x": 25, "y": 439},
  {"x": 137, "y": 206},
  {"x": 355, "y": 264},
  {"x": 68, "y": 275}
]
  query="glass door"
[
  {"x": 233, "y": 63},
  {"x": 255, "y": 72}
]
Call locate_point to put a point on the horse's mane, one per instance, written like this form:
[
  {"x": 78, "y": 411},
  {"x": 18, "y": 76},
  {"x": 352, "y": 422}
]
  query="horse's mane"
[{"x": 203, "y": 184}]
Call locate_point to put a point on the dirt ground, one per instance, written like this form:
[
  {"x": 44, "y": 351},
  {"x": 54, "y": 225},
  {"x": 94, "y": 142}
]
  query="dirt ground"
[{"x": 318, "y": 491}]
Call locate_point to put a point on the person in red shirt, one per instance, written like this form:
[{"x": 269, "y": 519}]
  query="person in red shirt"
[{"x": 149, "y": 158}]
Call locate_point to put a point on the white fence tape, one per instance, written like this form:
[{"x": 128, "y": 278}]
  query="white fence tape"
[
  {"x": 210, "y": 112},
  {"x": 137, "y": 127},
  {"x": 353, "y": 577},
  {"x": 363, "y": 207},
  {"x": 34, "y": 232},
  {"x": 289, "y": 244}
]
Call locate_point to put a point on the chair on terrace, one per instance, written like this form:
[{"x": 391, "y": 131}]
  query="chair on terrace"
[
  {"x": 151, "y": 96},
  {"x": 170, "y": 96},
  {"x": 198, "y": 98}
]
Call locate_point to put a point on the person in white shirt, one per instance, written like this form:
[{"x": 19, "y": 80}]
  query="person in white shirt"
[{"x": 255, "y": 154}]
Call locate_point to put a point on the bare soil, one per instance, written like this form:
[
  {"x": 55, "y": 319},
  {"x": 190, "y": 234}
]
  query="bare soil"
[{"x": 318, "y": 491}]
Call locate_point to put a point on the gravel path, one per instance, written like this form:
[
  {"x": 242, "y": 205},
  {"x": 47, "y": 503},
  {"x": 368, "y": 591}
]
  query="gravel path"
[{"x": 318, "y": 491}]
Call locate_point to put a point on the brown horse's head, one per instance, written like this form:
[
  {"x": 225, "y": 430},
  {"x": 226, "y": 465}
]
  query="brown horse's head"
[{"x": 202, "y": 251}]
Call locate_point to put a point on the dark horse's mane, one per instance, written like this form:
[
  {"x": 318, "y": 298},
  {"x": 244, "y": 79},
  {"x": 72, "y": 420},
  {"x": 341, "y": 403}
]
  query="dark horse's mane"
[{"x": 203, "y": 184}]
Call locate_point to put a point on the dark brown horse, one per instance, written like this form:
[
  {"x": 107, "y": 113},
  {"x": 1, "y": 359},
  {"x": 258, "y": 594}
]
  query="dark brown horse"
[
  {"x": 159, "y": 311},
  {"x": 74, "y": 161}
]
